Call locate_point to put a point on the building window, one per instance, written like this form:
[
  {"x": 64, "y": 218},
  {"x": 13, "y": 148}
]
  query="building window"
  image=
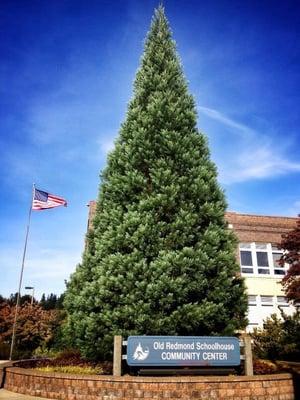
[
  {"x": 262, "y": 262},
  {"x": 276, "y": 255},
  {"x": 252, "y": 300},
  {"x": 246, "y": 258},
  {"x": 266, "y": 300},
  {"x": 282, "y": 301},
  {"x": 261, "y": 259}
]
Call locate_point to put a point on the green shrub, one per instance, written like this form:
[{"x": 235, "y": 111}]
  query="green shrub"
[
  {"x": 278, "y": 339},
  {"x": 4, "y": 351},
  {"x": 43, "y": 351}
]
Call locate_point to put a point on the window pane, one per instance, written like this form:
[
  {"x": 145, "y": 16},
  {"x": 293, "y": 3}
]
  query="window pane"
[
  {"x": 247, "y": 270},
  {"x": 251, "y": 299},
  {"x": 263, "y": 271},
  {"x": 279, "y": 272},
  {"x": 262, "y": 259},
  {"x": 246, "y": 257},
  {"x": 266, "y": 299},
  {"x": 276, "y": 258},
  {"x": 281, "y": 299}
]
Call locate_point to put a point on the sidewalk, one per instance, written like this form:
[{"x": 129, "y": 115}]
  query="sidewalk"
[{"x": 5, "y": 395}]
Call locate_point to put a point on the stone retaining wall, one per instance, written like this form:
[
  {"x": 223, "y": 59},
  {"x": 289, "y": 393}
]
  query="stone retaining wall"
[{"x": 91, "y": 387}]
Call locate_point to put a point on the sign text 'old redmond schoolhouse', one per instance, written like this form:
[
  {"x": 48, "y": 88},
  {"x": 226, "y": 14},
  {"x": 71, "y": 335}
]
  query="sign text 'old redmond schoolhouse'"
[{"x": 183, "y": 351}]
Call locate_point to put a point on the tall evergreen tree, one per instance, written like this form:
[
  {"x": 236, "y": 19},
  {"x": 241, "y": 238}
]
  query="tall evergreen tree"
[{"x": 160, "y": 259}]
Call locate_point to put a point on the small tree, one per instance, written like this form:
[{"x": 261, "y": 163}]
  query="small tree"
[
  {"x": 12, "y": 300},
  {"x": 51, "y": 302},
  {"x": 267, "y": 341},
  {"x": 291, "y": 282},
  {"x": 35, "y": 326},
  {"x": 279, "y": 338}
]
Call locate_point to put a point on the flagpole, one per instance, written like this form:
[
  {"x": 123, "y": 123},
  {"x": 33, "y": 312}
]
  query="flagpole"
[{"x": 21, "y": 278}]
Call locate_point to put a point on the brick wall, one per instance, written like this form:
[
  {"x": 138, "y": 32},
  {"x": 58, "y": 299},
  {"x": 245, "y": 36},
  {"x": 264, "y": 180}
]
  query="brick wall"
[
  {"x": 260, "y": 228},
  {"x": 74, "y": 387}
]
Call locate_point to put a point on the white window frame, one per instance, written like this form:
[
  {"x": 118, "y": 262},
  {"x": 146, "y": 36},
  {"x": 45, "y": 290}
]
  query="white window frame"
[
  {"x": 285, "y": 268},
  {"x": 247, "y": 247},
  {"x": 253, "y": 248},
  {"x": 262, "y": 248}
]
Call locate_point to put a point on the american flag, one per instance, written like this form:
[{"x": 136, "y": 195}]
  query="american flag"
[{"x": 43, "y": 200}]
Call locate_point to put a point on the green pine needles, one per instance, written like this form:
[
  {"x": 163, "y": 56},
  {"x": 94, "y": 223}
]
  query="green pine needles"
[{"x": 160, "y": 259}]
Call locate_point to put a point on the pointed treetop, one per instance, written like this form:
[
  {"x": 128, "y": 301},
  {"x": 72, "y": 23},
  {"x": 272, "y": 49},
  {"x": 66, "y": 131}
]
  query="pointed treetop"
[
  {"x": 160, "y": 69},
  {"x": 159, "y": 21}
]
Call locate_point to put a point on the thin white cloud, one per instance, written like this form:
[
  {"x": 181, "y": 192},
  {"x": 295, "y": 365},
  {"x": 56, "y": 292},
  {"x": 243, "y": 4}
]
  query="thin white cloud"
[
  {"x": 218, "y": 116},
  {"x": 55, "y": 265},
  {"x": 252, "y": 155},
  {"x": 106, "y": 144},
  {"x": 258, "y": 163},
  {"x": 45, "y": 269}
]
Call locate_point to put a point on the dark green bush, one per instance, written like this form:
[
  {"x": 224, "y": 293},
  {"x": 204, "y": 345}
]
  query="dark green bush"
[{"x": 4, "y": 351}]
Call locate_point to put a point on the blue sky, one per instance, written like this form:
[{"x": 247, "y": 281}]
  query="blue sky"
[{"x": 66, "y": 74}]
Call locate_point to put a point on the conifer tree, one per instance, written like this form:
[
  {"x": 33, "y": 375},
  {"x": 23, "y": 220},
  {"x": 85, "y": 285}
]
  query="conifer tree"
[{"x": 160, "y": 259}]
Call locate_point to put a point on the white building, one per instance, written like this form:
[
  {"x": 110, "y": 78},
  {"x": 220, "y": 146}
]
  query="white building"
[{"x": 258, "y": 256}]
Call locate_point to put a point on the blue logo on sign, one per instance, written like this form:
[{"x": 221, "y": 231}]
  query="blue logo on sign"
[{"x": 140, "y": 354}]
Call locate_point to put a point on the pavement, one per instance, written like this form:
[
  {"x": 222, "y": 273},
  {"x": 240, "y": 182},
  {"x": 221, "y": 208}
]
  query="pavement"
[{"x": 6, "y": 395}]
